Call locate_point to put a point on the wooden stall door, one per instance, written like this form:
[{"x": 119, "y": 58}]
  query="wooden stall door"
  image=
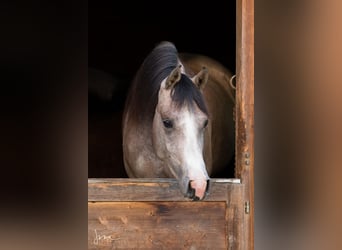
[{"x": 153, "y": 214}]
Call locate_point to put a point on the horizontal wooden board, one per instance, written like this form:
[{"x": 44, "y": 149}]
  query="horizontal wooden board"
[
  {"x": 153, "y": 189},
  {"x": 152, "y": 213},
  {"x": 157, "y": 225}
]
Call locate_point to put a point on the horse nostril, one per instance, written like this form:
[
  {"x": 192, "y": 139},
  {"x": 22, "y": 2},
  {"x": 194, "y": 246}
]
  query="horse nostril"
[{"x": 191, "y": 192}]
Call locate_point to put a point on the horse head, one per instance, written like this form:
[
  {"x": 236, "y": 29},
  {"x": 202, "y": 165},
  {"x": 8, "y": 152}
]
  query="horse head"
[{"x": 179, "y": 124}]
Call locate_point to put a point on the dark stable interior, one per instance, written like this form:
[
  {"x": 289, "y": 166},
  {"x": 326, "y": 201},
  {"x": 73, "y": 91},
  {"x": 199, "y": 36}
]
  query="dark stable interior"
[{"x": 120, "y": 35}]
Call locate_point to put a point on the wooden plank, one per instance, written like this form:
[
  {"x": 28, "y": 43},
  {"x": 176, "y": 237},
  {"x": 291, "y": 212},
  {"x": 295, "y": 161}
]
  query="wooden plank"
[
  {"x": 152, "y": 189},
  {"x": 145, "y": 213},
  {"x": 245, "y": 111},
  {"x": 157, "y": 225}
]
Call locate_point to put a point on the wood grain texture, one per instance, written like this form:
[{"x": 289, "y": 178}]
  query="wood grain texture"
[
  {"x": 157, "y": 225},
  {"x": 152, "y": 214},
  {"x": 245, "y": 110},
  {"x": 160, "y": 189}
]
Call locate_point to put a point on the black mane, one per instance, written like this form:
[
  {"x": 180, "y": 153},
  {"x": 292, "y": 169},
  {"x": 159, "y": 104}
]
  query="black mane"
[{"x": 143, "y": 95}]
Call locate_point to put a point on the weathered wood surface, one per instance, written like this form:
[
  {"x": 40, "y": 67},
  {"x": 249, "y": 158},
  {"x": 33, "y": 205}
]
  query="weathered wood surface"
[
  {"x": 157, "y": 225},
  {"x": 245, "y": 111},
  {"x": 160, "y": 189},
  {"x": 152, "y": 214}
]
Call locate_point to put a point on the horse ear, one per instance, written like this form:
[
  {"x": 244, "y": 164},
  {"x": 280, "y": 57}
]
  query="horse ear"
[
  {"x": 201, "y": 78},
  {"x": 174, "y": 77}
]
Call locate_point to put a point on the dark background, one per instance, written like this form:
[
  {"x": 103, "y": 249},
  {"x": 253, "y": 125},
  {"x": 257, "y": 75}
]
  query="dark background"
[{"x": 121, "y": 36}]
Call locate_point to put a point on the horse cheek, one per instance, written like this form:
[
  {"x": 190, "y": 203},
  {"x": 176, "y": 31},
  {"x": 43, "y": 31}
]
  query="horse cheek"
[{"x": 158, "y": 140}]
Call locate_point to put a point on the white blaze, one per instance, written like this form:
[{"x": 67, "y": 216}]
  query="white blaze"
[{"x": 193, "y": 144}]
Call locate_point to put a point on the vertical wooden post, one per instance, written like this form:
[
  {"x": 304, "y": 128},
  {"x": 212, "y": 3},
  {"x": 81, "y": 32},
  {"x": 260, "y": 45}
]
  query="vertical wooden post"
[{"x": 245, "y": 113}]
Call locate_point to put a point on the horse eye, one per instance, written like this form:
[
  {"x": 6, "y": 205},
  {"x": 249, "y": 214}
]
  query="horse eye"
[
  {"x": 205, "y": 124},
  {"x": 167, "y": 123}
]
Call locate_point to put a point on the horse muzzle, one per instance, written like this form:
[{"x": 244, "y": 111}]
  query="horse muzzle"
[{"x": 196, "y": 189}]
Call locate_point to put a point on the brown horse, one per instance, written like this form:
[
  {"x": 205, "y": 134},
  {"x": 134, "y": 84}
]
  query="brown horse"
[{"x": 178, "y": 120}]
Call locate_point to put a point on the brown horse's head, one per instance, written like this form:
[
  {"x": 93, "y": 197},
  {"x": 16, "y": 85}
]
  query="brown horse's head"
[{"x": 179, "y": 123}]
